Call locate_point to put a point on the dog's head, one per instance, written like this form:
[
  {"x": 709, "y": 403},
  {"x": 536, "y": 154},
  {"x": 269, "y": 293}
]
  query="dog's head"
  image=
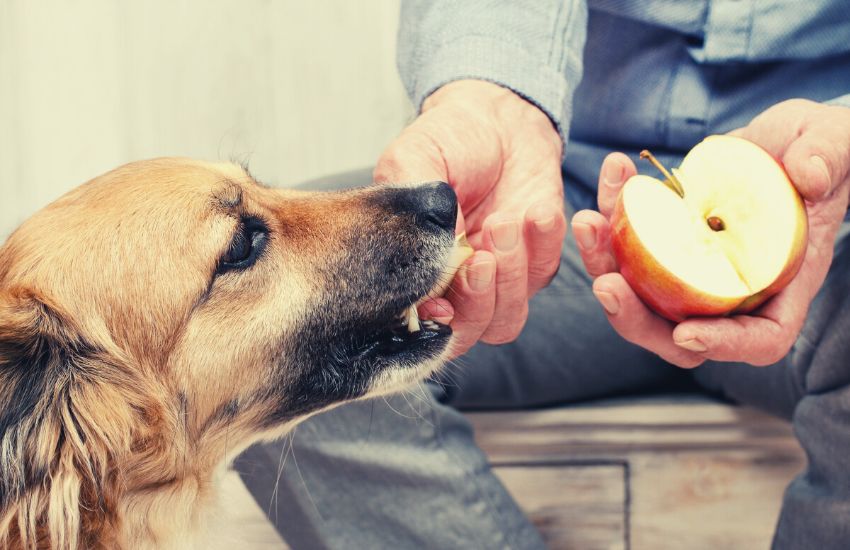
[{"x": 170, "y": 312}]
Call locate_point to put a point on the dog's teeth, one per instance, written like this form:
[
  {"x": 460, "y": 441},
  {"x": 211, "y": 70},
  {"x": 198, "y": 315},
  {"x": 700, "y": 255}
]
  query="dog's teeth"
[{"x": 412, "y": 319}]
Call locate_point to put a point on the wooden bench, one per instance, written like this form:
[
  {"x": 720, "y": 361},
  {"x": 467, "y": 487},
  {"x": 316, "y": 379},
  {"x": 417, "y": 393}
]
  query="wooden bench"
[
  {"x": 649, "y": 474},
  {"x": 667, "y": 473}
]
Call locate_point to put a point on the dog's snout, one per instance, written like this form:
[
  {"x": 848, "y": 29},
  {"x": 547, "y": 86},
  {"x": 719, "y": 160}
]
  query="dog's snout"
[{"x": 434, "y": 205}]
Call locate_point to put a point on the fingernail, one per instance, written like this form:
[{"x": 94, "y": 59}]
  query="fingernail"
[
  {"x": 480, "y": 276},
  {"x": 443, "y": 320},
  {"x": 585, "y": 235},
  {"x": 612, "y": 174},
  {"x": 609, "y": 301},
  {"x": 820, "y": 166},
  {"x": 545, "y": 226},
  {"x": 505, "y": 235},
  {"x": 692, "y": 344}
]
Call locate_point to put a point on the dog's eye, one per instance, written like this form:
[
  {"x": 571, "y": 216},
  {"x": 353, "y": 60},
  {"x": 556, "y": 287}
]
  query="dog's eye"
[{"x": 248, "y": 243}]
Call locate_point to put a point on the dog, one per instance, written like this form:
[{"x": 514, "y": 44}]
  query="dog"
[{"x": 162, "y": 317}]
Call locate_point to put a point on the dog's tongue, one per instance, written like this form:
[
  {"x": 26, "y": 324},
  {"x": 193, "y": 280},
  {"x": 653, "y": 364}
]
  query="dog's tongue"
[{"x": 459, "y": 254}]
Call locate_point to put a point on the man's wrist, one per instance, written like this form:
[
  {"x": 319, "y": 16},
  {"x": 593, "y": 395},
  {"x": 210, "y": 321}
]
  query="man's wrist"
[
  {"x": 508, "y": 108},
  {"x": 468, "y": 90}
]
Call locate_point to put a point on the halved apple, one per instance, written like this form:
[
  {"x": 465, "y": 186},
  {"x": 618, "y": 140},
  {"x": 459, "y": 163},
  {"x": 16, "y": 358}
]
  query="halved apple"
[{"x": 734, "y": 237}]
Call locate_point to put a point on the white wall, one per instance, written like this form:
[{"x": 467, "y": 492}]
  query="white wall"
[{"x": 299, "y": 88}]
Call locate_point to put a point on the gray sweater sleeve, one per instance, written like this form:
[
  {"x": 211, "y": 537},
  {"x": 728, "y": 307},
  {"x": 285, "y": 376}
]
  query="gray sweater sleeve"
[
  {"x": 843, "y": 101},
  {"x": 533, "y": 47}
]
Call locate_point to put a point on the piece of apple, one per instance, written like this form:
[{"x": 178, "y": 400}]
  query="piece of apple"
[
  {"x": 458, "y": 254},
  {"x": 735, "y": 236}
]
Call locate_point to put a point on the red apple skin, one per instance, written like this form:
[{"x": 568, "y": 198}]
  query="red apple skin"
[{"x": 660, "y": 290}]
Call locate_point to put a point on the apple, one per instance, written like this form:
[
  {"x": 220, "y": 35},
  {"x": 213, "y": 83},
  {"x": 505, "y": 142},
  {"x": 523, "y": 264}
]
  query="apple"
[
  {"x": 720, "y": 235},
  {"x": 459, "y": 253}
]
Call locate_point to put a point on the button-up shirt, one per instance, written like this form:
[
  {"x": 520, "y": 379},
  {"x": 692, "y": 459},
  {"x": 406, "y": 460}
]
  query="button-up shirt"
[{"x": 632, "y": 74}]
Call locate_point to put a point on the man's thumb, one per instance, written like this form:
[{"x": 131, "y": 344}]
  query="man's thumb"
[{"x": 411, "y": 158}]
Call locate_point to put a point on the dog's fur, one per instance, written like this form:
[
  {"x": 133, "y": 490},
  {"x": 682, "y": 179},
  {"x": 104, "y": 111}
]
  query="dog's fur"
[{"x": 136, "y": 357}]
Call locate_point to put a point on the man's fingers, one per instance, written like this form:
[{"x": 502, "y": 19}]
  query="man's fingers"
[
  {"x": 593, "y": 236},
  {"x": 819, "y": 160},
  {"x": 616, "y": 169},
  {"x": 637, "y": 324},
  {"x": 762, "y": 339},
  {"x": 774, "y": 129},
  {"x": 473, "y": 297},
  {"x": 503, "y": 236},
  {"x": 412, "y": 157},
  {"x": 545, "y": 228},
  {"x": 758, "y": 341}
]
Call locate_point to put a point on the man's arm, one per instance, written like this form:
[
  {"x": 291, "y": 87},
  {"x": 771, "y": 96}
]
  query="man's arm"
[
  {"x": 842, "y": 101},
  {"x": 492, "y": 81},
  {"x": 533, "y": 48}
]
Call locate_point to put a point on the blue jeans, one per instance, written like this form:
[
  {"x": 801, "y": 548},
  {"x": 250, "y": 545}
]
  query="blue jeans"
[{"x": 404, "y": 472}]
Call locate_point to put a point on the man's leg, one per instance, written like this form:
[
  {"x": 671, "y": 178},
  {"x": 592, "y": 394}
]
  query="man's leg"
[
  {"x": 812, "y": 387},
  {"x": 404, "y": 472}
]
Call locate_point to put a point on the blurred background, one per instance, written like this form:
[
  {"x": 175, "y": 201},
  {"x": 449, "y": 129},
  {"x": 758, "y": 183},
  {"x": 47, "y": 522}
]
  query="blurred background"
[{"x": 298, "y": 89}]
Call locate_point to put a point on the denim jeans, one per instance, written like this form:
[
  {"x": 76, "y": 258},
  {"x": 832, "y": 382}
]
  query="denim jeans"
[{"x": 404, "y": 471}]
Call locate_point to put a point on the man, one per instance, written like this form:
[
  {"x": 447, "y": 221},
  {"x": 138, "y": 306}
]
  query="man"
[{"x": 521, "y": 103}]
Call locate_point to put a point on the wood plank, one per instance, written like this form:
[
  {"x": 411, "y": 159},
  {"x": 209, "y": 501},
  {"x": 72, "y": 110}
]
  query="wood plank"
[
  {"x": 615, "y": 429},
  {"x": 574, "y": 506},
  {"x": 701, "y": 474},
  {"x": 704, "y": 502}
]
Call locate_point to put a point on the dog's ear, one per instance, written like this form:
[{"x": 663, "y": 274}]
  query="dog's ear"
[{"x": 52, "y": 462}]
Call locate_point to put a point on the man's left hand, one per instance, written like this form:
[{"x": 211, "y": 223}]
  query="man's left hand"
[{"x": 812, "y": 141}]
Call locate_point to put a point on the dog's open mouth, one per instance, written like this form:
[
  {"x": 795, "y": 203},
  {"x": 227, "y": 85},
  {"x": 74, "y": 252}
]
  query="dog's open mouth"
[{"x": 405, "y": 335}]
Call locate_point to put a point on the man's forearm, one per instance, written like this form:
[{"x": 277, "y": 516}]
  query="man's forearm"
[
  {"x": 533, "y": 48},
  {"x": 843, "y": 101}
]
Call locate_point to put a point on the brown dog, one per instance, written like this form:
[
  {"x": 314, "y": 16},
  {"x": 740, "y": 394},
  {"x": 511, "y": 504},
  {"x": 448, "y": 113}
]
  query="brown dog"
[{"x": 162, "y": 317}]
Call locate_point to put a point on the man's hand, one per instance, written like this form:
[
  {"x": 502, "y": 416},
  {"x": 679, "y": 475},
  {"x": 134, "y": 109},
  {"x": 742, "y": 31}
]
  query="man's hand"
[
  {"x": 502, "y": 156},
  {"x": 812, "y": 141}
]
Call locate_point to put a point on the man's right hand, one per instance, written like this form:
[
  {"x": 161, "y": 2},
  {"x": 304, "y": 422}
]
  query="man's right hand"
[{"x": 501, "y": 154}]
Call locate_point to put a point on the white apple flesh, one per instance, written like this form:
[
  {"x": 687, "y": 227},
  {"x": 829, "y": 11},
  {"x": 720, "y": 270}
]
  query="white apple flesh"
[{"x": 736, "y": 237}]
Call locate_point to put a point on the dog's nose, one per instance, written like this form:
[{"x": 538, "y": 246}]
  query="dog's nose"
[{"x": 434, "y": 205}]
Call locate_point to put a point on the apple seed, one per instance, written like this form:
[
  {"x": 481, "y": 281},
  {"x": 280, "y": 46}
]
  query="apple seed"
[{"x": 716, "y": 224}]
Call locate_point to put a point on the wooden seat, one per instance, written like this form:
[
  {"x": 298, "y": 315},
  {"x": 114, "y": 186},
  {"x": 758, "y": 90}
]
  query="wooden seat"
[{"x": 654, "y": 473}]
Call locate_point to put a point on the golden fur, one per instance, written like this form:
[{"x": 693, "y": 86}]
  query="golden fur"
[{"x": 133, "y": 367}]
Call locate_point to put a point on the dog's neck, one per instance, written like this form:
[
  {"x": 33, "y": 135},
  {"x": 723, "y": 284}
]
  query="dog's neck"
[
  {"x": 169, "y": 513},
  {"x": 173, "y": 510}
]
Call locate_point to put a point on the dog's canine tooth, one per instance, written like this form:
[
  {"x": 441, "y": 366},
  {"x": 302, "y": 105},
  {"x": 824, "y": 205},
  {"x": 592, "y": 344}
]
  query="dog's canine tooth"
[{"x": 412, "y": 319}]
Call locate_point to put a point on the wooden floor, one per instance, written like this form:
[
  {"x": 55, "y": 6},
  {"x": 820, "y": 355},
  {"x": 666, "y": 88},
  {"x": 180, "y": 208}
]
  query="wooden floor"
[
  {"x": 640, "y": 475},
  {"x": 645, "y": 475}
]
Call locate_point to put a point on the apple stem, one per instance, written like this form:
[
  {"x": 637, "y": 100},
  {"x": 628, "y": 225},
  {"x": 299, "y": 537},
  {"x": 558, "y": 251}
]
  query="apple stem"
[{"x": 671, "y": 180}]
